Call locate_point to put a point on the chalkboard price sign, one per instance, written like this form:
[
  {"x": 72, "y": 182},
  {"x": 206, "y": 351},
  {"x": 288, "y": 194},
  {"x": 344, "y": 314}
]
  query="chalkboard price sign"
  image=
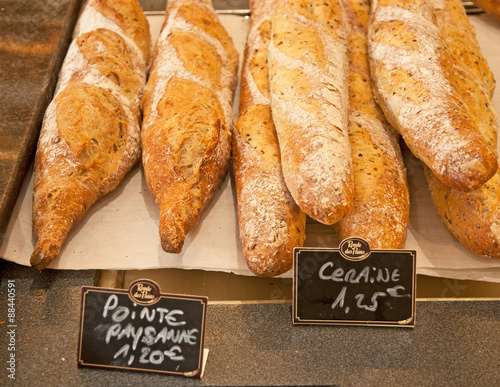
[
  {"x": 142, "y": 329},
  {"x": 354, "y": 285}
]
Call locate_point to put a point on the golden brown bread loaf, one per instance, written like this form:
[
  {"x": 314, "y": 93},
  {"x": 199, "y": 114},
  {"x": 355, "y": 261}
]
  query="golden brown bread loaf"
[
  {"x": 461, "y": 42},
  {"x": 472, "y": 77},
  {"x": 381, "y": 201},
  {"x": 126, "y": 15},
  {"x": 270, "y": 222},
  {"x": 187, "y": 125},
  {"x": 417, "y": 87},
  {"x": 90, "y": 136},
  {"x": 490, "y": 6},
  {"x": 308, "y": 72},
  {"x": 472, "y": 217}
]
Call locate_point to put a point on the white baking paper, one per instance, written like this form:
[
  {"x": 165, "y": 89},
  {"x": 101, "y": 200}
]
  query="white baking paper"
[{"x": 121, "y": 230}]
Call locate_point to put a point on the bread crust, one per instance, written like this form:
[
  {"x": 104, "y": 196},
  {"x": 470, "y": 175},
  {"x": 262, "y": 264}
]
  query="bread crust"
[
  {"x": 270, "y": 222},
  {"x": 381, "y": 200},
  {"x": 308, "y": 72},
  {"x": 414, "y": 73},
  {"x": 128, "y": 15},
  {"x": 187, "y": 125},
  {"x": 473, "y": 218},
  {"x": 90, "y": 137},
  {"x": 462, "y": 44}
]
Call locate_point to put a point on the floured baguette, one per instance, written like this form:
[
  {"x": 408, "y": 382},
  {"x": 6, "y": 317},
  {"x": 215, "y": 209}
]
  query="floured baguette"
[
  {"x": 270, "y": 222},
  {"x": 308, "y": 72},
  {"x": 416, "y": 86},
  {"x": 90, "y": 136},
  {"x": 472, "y": 77},
  {"x": 187, "y": 125},
  {"x": 381, "y": 200},
  {"x": 461, "y": 41},
  {"x": 472, "y": 217}
]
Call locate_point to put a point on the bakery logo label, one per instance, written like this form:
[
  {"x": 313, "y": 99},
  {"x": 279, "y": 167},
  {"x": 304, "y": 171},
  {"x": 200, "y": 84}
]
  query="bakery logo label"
[
  {"x": 354, "y": 249},
  {"x": 144, "y": 292}
]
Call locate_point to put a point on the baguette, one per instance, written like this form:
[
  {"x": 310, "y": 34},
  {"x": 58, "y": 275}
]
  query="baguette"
[
  {"x": 187, "y": 125},
  {"x": 90, "y": 137},
  {"x": 308, "y": 72},
  {"x": 416, "y": 86},
  {"x": 381, "y": 200},
  {"x": 461, "y": 41},
  {"x": 472, "y": 77},
  {"x": 270, "y": 222},
  {"x": 473, "y": 218}
]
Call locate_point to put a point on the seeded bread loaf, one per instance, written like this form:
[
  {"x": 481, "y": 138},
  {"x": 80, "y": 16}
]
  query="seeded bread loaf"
[
  {"x": 270, "y": 222},
  {"x": 472, "y": 217},
  {"x": 418, "y": 89},
  {"x": 472, "y": 78},
  {"x": 186, "y": 132},
  {"x": 461, "y": 42},
  {"x": 381, "y": 200},
  {"x": 308, "y": 72},
  {"x": 90, "y": 136}
]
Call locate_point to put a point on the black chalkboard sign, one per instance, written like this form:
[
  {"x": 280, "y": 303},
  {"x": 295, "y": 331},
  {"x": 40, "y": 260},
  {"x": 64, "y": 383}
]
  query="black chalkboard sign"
[
  {"x": 354, "y": 285},
  {"x": 142, "y": 329}
]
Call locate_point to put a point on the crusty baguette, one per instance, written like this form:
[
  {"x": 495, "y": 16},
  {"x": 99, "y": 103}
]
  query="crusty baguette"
[
  {"x": 308, "y": 72},
  {"x": 270, "y": 222},
  {"x": 90, "y": 136},
  {"x": 461, "y": 42},
  {"x": 381, "y": 200},
  {"x": 416, "y": 87},
  {"x": 472, "y": 217},
  {"x": 472, "y": 78},
  {"x": 122, "y": 16},
  {"x": 187, "y": 125},
  {"x": 490, "y": 6}
]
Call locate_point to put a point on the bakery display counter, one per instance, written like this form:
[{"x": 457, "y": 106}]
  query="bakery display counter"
[
  {"x": 249, "y": 331},
  {"x": 454, "y": 342}
]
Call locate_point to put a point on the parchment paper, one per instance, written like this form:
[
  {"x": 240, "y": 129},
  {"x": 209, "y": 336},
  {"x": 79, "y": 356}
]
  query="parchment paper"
[{"x": 121, "y": 230}]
